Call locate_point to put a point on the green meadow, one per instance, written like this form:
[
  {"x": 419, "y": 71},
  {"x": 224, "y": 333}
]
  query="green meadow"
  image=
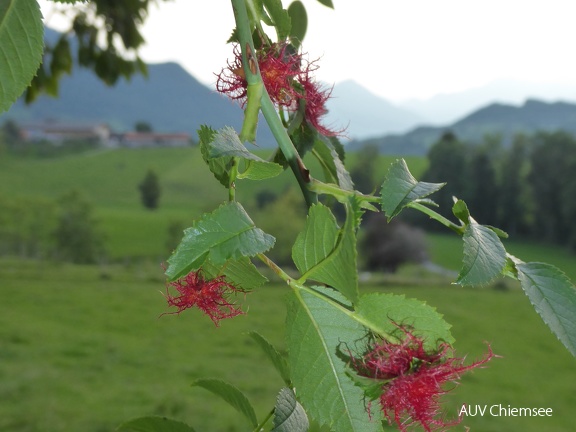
[{"x": 84, "y": 348}]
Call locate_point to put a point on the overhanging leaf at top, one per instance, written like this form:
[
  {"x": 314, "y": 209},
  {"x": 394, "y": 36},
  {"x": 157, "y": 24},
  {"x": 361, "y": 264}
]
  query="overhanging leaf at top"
[
  {"x": 553, "y": 297},
  {"x": 21, "y": 47},
  {"x": 299, "y": 22},
  {"x": 400, "y": 188},
  {"x": 327, "y": 3},
  {"x": 280, "y": 18},
  {"x": 226, "y": 233}
]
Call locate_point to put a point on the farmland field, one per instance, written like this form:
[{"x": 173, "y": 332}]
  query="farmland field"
[{"x": 83, "y": 348}]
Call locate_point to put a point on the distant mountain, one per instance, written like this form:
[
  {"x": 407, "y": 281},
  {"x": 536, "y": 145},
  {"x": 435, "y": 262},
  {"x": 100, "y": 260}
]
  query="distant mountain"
[
  {"x": 363, "y": 114},
  {"x": 499, "y": 119},
  {"x": 170, "y": 99},
  {"x": 447, "y": 108}
]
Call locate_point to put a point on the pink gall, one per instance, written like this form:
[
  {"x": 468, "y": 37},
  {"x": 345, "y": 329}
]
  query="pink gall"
[
  {"x": 210, "y": 296},
  {"x": 413, "y": 380}
]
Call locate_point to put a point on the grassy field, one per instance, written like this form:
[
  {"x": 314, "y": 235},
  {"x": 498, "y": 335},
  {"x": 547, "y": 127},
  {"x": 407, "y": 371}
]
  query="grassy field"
[
  {"x": 109, "y": 180},
  {"x": 82, "y": 348}
]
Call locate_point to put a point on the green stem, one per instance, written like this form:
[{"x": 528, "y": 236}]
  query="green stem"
[
  {"x": 287, "y": 148},
  {"x": 232, "y": 184},
  {"x": 261, "y": 425},
  {"x": 438, "y": 217},
  {"x": 336, "y": 191},
  {"x": 298, "y": 288},
  {"x": 264, "y": 102}
]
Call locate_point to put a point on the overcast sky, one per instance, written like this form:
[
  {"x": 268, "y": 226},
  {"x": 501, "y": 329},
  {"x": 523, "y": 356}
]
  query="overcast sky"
[{"x": 399, "y": 49}]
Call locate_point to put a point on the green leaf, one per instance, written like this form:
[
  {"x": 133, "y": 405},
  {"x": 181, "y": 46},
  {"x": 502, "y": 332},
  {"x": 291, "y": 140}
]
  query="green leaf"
[
  {"x": 241, "y": 273},
  {"x": 256, "y": 12},
  {"x": 358, "y": 204},
  {"x": 61, "y": 57},
  {"x": 484, "y": 256},
  {"x": 225, "y": 145},
  {"x": 226, "y": 233},
  {"x": 317, "y": 240},
  {"x": 382, "y": 313},
  {"x": 289, "y": 416},
  {"x": 299, "y": 20},
  {"x": 325, "y": 253},
  {"x": 154, "y": 424},
  {"x": 220, "y": 167},
  {"x": 400, "y": 188},
  {"x": 21, "y": 47},
  {"x": 460, "y": 210},
  {"x": 500, "y": 233},
  {"x": 260, "y": 170},
  {"x": 327, "y": 3},
  {"x": 280, "y": 18},
  {"x": 315, "y": 331},
  {"x": 231, "y": 395},
  {"x": 278, "y": 360},
  {"x": 372, "y": 387},
  {"x": 553, "y": 297},
  {"x": 332, "y": 164}
]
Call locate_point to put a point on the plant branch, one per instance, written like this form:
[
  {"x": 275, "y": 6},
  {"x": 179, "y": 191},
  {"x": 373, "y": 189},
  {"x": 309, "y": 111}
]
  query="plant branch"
[
  {"x": 261, "y": 425},
  {"x": 258, "y": 98},
  {"x": 232, "y": 184},
  {"x": 438, "y": 217},
  {"x": 287, "y": 148},
  {"x": 299, "y": 287}
]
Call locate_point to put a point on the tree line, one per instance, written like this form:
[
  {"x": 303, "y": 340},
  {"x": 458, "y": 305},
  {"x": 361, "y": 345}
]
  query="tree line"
[
  {"x": 64, "y": 229},
  {"x": 527, "y": 188}
]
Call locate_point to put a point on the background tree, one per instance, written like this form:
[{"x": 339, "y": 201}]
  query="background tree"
[
  {"x": 515, "y": 206},
  {"x": 76, "y": 235},
  {"x": 364, "y": 170},
  {"x": 174, "y": 234},
  {"x": 150, "y": 190},
  {"x": 447, "y": 159},
  {"x": 551, "y": 167},
  {"x": 143, "y": 126},
  {"x": 482, "y": 190},
  {"x": 25, "y": 226},
  {"x": 568, "y": 195},
  {"x": 283, "y": 218},
  {"x": 10, "y": 133},
  {"x": 385, "y": 245}
]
